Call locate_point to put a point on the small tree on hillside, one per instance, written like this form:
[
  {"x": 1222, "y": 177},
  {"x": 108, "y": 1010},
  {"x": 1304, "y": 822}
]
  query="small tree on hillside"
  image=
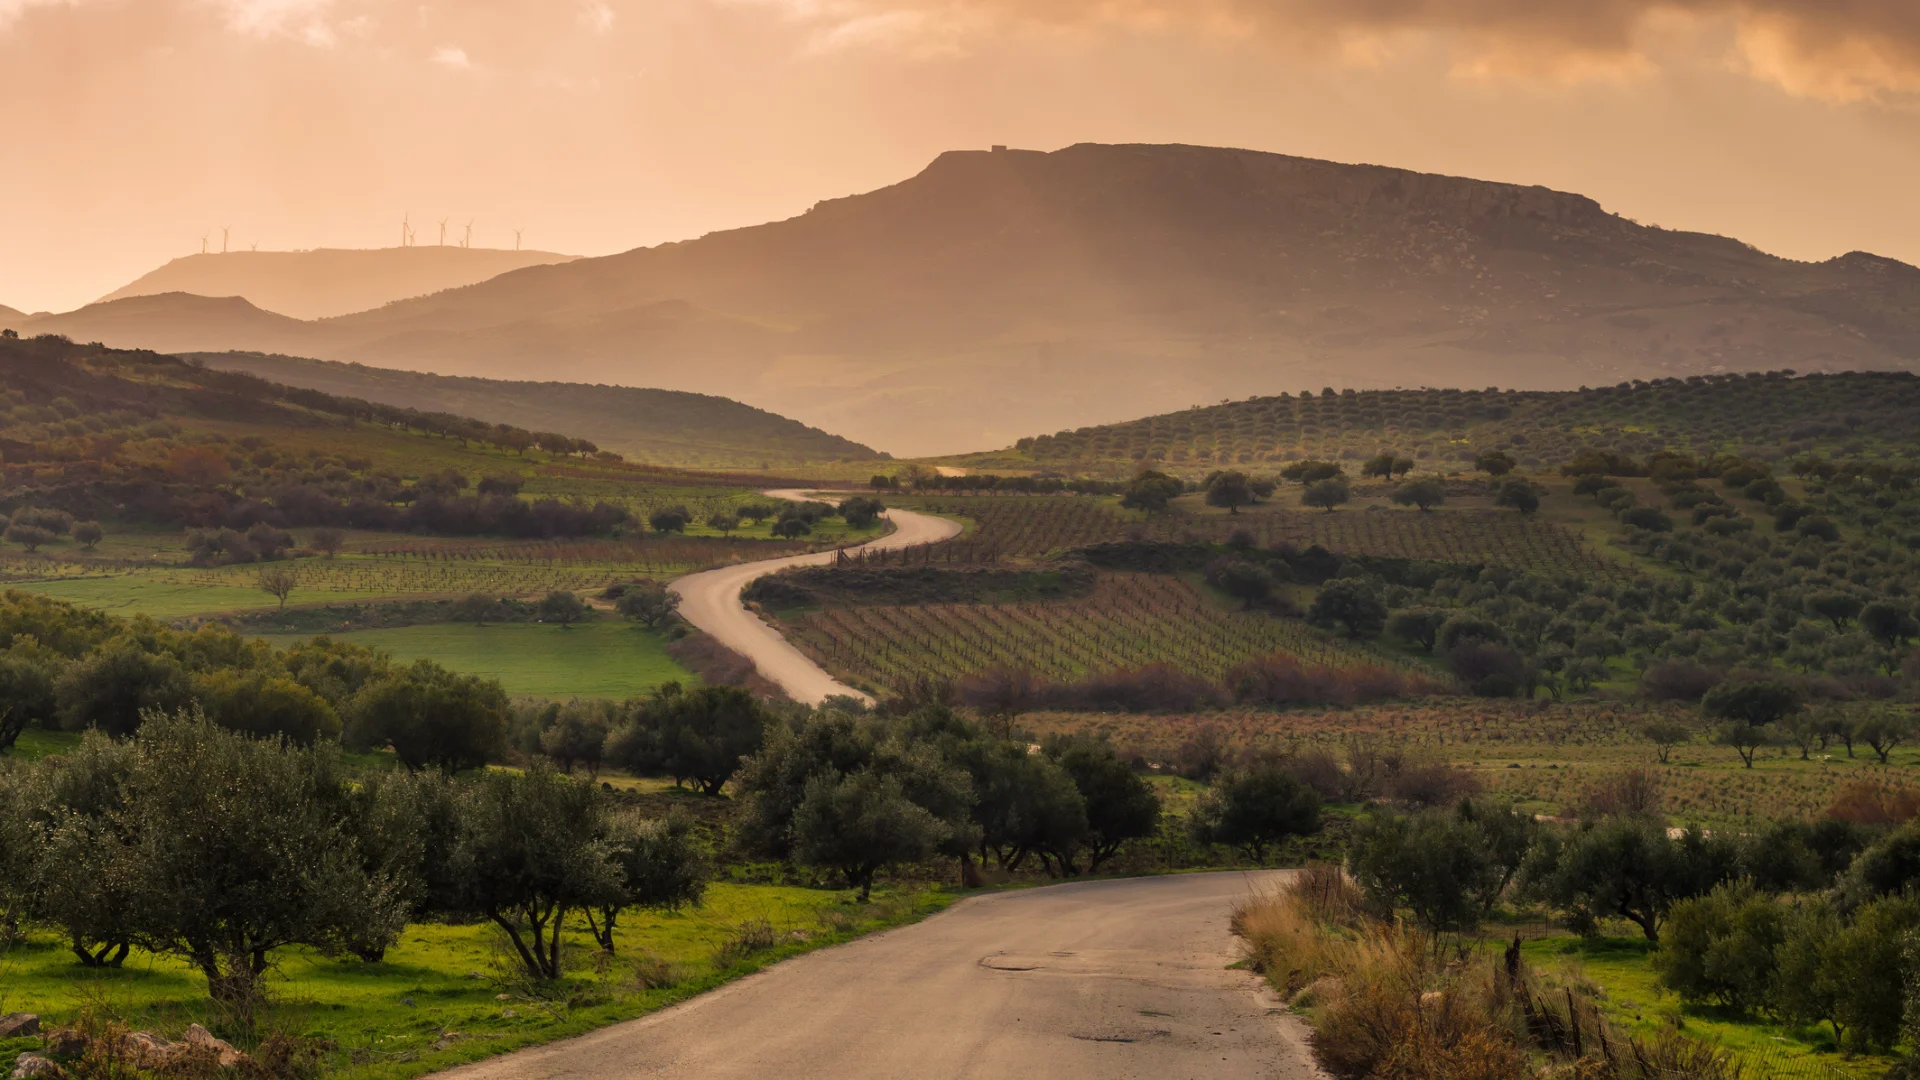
[
  {"x": 862, "y": 822},
  {"x": 1352, "y": 604},
  {"x": 562, "y": 609},
  {"x": 30, "y": 537},
  {"x": 1417, "y": 626},
  {"x": 476, "y": 608},
  {"x": 1120, "y": 806},
  {"x": 671, "y": 519},
  {"x": 1425, "y": 494},
  {"x": 1151, "y": 491},
  {"x": 327, "y": 541},
  {"x": 723, "y": 522},
  {"x": 648, "y": 602},
  {"x": 1327, "y": 494},
  {"x": 1495, "y": 463},
  {"x": 1883, "y": 731},
  {"x": 1519, "y": 495},
  {"x": 1244, "y": 581},
  {"x": 1665, "y": 735},
  {"x": 279, "y": 583},
  {"x": 1231, "y": 490},
  {"x": 1750, "y": 709},
  {"x": 88, "y": 534}
]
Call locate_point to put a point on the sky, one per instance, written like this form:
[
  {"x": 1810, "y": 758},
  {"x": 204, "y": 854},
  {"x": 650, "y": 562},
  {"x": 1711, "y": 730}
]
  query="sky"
[{"x": 134, "y": 128}]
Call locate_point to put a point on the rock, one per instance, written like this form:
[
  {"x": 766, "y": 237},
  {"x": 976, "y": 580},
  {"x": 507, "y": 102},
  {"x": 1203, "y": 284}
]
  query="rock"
[
  {"x": 229, "y": 1056},
  {"x": 35, "y": 1067},
  {"x": 147, "y": 1050},
  {"x": 66, "y": 1042},
  {"x": 14, "y": 1025}
]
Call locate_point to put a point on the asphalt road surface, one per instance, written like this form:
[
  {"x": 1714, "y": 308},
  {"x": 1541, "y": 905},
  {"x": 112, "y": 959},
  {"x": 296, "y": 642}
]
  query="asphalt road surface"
[
  {"x": 1105, "y": 979},
  {"x": 711, "y": 601}
]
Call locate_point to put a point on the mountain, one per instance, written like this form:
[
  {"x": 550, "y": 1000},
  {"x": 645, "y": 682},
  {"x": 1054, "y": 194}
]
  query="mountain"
[
  {"x": 325, "y": 282},
  {"x": 10, "y": 314},
  {"x": 659, "y": 427},
  {"x": 1000, "y": 293}
]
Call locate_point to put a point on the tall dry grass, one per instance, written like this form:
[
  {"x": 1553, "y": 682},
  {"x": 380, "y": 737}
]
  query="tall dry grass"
[{"x": 1386, "y": 1004}]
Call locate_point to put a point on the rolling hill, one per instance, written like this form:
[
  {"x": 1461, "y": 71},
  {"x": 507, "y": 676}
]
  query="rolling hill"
[
  {"x": 325, "y": 282},
  {"x": 1001, "y": 293},
  {"x": 659, "y": 427}
]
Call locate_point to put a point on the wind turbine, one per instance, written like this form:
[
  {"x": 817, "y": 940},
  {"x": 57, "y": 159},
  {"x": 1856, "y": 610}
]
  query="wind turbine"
[
  {"x": 467, "y": 242},
  {"x": 203, "y": 242},
  {"x": 516, "y": 238},
  {"x": 443, "y": 232},
  {"x": 224, "y": 230},
  {"x": 406, "y": 229}
]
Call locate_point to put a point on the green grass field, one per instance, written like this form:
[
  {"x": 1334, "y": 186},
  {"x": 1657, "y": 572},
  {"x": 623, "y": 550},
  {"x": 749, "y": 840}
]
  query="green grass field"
[
  {"x": 610, "y": 659},
  {"x": 446, "y": 994},
  {"x": 1621, "y": 969}
]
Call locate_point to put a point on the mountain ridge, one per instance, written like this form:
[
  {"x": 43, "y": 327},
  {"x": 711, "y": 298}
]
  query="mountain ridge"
[
  {"x": 999, "y": 293},
  {"x": 323, "y": 282},
  {"x": 672, "y": 428}
]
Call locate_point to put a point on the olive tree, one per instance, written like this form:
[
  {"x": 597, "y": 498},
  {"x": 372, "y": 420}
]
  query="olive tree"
[
  {"x": 647, "y": 602},
  {"x": 1255, "y": 808},
  {"x": 431, "y": 717},
  {"x": 1120, "y": 805},
  {"x": 659, "y": 867},
  {"x": 532, "y": 849},
  {"x": 244, "y": 846}
]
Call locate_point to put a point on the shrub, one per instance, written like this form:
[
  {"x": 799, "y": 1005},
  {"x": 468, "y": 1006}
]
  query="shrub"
[
  {"x": 1720, "y": 947},
  {"x": 1256, "y": 807},
  {"x": 111, "y": 688}
]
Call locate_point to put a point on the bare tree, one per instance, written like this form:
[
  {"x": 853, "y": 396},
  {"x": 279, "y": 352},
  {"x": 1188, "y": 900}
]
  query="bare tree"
[{"x": 278, "y": 582}]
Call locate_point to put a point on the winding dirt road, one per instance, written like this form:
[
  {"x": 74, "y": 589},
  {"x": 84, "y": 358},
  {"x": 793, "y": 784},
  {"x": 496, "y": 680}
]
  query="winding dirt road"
[
  {"x": 711, "y": 601},
  {"x": 1101, "y": 980}
]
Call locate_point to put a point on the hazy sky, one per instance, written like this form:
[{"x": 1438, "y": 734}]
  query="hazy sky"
[{"x": 133, "y": 127}]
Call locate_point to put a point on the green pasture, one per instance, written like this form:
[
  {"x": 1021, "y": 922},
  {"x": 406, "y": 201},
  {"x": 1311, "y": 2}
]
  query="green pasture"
[
  {"x": 607, "y": 659},
  {"x": 447, "y": 994},
  {"x": 1621, "y": 969}
]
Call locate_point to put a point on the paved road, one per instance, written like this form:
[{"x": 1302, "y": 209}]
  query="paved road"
[
  {"x": 1107, "y": 979},
  {"x": 711, "y": 601}
]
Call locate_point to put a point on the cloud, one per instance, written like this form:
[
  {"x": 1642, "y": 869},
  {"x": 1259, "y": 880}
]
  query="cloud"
[
  {"x": 596, "y": 16},
  {"x": 452, "y": 56},
  {"x": 1839, "y": 50},
  {"x": 13, "y": 9}
]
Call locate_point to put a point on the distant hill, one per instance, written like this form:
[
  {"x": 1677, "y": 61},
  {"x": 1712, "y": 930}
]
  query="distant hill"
[
  {"x": 1771, "y": 417},
  {"x": 660, "y": 427},
  {"x": 999, "y": 294},
  {"x": 326, "y": 281},
  {"x": 7, "y": 313}
]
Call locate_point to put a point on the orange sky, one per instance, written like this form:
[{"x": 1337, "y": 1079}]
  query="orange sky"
[{"x": 135, "y": 126}]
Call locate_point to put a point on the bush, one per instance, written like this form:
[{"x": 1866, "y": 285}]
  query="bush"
[
  {"x": 431, "y": 717},
  {"x": 111, "y": 688},
  {"x": 1256, "y": 807},
  {"x": 263, "y": 704},
  {"x": 1720, "y": 947},
  {"x": 1351, "y": 603}
]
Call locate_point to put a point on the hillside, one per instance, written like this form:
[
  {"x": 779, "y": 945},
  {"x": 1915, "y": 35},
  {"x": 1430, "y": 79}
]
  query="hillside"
[
  {"x": 997, "y": 294},
  {"x": 1771, "y": 417},
  {"x": 661, "y": 427},
  {"x": 325, "y": 282}
]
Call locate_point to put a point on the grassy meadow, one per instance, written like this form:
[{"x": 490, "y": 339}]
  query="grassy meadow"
[
  {"x": 606, "y": 658},
  {"x": 448, "y": 994}
]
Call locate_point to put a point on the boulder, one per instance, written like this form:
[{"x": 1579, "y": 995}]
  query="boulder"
[
  {"x": 229, "y": 1056},
  {"x": 35, "y": 1067},
  {"x": 67, "y": 1042},
  {"x": 14, "y": 1025}
]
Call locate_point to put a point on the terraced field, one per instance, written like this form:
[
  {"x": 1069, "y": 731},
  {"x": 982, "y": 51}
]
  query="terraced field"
[{"x": 1127, "y": 621}]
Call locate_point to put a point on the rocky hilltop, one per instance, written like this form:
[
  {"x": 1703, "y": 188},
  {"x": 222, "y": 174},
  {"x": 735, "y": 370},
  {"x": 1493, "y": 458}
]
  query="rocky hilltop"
[{"x": 1000, "y": 293}]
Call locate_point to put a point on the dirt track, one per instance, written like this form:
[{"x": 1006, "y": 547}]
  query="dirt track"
[
  {"x": 711, "y": 601},
  {"x": 1106, "y": 979}
]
